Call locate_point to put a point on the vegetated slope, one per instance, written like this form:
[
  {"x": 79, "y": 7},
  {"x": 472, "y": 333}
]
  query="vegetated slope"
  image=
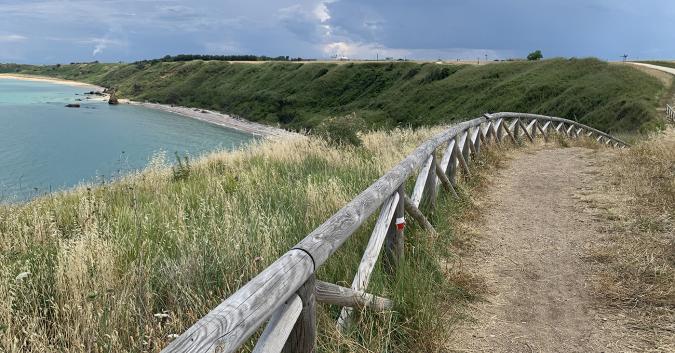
[
  {"x": 87, "y": 270},
  {"x": 300, "y": 95}
]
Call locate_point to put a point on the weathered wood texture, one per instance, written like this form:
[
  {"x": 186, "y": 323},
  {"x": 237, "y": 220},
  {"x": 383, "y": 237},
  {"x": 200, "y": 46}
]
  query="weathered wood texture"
[
  {"x": 543, "y": 133},
  {"x": 524, "y": 129},
  {"x": 374, "y": 247},
  {"x": 444, "y": 179},
  {"x": 447, "y": 159},
  {"x": 431, "y": 186},
  {"x": 419, "y": 217},
  {"x": 476, "y": 141},
  {"x": 273, "y": 339},
  {"x": 372, "y": 253},
  {"x": 498, "y": 130},
  {"x": 553, "y": 119},
  {"x": 560, "y": 126},
  {"x": 303, "y": 336},
  {"x": 395, "y": 241},
  {"x": 333, "y": 294},
  {"x": 509, "y": 131},
  {"x": 462, "y": 162},
  {"x": 421, "y": 182},
  {"x": 227, "y": 326}
]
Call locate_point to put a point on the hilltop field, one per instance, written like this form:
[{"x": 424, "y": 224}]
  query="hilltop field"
[{"x": 610, "y": 97}]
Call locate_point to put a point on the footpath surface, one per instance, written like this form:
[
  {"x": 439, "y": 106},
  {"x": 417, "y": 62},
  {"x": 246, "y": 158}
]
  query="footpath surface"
[{"x": 529, "y": 251}]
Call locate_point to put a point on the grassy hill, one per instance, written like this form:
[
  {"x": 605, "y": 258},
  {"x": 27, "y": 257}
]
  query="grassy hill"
[{"x": 301, "y": 95}]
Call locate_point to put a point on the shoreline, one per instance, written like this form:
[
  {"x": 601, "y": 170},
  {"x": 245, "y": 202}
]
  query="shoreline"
[
  {"x": 217, "y": 118},
  {"x": 59, "y": 81},
  {"x": 205, "y": 115}
]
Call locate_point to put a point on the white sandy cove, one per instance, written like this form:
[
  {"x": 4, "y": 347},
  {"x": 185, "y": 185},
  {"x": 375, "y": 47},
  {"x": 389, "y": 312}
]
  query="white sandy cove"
[
  {"x": 208, "y": 116},
  {"x": 51, "y": 80}
]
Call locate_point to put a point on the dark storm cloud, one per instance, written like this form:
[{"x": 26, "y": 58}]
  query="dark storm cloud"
[
  {"x": 113, "y": 30},
  {"x": 568, "y": 28}
]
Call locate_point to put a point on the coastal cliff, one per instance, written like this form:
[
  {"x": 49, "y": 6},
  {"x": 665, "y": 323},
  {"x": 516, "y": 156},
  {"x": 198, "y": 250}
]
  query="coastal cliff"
[{"x": 610, "y": 97}]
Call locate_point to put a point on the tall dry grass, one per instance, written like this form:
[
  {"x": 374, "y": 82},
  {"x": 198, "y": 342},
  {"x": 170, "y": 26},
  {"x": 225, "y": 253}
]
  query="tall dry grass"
[
  {"x": 636, "y": 257},
  {"x": 124, "y": 267}
]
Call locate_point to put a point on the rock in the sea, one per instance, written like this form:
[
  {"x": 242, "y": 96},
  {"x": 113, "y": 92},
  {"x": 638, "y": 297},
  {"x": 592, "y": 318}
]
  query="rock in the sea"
[
  {"x": 72, "y": 105},
  {"x": 113, "y": 97}
]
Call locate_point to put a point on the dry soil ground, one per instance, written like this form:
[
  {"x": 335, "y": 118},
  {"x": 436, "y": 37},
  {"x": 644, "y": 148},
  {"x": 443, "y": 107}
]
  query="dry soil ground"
[{"x": 530, "y": 247}]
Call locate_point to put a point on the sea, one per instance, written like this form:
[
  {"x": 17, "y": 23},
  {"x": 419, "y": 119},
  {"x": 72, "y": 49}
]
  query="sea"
[{"x": 46, "y": 147}]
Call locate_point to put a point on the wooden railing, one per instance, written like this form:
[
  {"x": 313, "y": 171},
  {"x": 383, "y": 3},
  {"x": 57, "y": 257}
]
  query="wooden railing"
[
  {"x": 285, "y": 293},
  {"x": 670, "y": 112}
]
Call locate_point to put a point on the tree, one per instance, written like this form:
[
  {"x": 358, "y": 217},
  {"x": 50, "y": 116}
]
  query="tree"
[{"x": 535, "y": 55}]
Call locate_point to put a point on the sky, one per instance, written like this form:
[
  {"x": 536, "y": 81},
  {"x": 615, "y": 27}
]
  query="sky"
[{"x": 63, "y": 31}]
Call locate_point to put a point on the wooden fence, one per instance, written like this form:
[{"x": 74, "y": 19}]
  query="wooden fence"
[
  {"x": 670, "y": 112},
  {"x": 286, "y": 293}
]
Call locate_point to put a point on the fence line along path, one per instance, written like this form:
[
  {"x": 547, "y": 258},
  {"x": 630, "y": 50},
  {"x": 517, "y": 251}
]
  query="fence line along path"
[{"x": 286, "y": 293}]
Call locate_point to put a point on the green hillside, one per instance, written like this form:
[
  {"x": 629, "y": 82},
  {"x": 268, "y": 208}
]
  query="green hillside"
[{"x": 300, "y": 95}]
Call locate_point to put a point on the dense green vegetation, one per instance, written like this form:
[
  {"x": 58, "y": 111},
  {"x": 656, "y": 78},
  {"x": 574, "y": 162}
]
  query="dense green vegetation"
[{"x": 301, "y": 95}]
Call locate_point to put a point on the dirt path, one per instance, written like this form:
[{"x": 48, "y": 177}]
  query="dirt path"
[{"x": 529, "y": 252}]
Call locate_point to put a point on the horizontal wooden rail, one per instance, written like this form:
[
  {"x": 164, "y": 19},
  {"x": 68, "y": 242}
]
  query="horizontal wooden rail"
[
  {"x": 329, "y": 293},
  {"x": 507, "y": 115},
  {"x": 286, "y": 292}
]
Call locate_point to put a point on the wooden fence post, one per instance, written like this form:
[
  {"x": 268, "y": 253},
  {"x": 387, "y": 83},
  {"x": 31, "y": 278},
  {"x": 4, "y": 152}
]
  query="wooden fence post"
[
  {"x": 303, "y": 337},
  {"x": 431, "y": 185},
  {"x": 452, "y": 165},
  {"x": 395, "y": 241},
  {"x": 466, "y": 146},
  {"x": 516, "y": 129}
]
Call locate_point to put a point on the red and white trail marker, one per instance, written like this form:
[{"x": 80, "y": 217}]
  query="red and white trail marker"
[{"x": 400, "y": 223}]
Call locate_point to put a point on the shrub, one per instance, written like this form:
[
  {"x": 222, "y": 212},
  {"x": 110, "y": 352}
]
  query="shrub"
[
  {"x": 535, "y": 55},
  {"x": 436, "y": 74},
  {"x": 181, "y": 171},
  {"x": 341, "y": 130},
  {"x": 322, "y": 71}
]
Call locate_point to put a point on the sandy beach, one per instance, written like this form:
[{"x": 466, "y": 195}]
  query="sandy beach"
[
  {"x": 208, "y": 116},
  {"x": 219, "y": 119},
  {"x": 51, "y": 80}
]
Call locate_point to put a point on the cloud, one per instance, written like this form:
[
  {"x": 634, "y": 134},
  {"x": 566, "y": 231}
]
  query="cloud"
[
  {"x": 307, "y": 22},
  {"x": 48, "y": 31},
  {"x": 100, "y": 44},
  {"x": 12, "y": 38}
]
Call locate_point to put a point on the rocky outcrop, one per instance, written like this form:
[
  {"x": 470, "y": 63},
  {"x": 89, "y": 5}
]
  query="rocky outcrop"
[
  {"x": 72, "y": 105},
  {"x": 113, "y": 97}
]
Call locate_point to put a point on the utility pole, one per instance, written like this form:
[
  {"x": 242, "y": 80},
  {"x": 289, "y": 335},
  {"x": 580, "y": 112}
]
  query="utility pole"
[{"x": 486, "y": 58}]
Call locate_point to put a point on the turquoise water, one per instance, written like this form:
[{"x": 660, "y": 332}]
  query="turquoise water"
[{"x": 45, "y": 146}]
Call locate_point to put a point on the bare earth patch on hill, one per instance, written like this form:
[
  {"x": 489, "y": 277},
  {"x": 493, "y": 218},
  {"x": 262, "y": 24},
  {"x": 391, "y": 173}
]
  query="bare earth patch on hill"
[{"x": 541, "y": 222}]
